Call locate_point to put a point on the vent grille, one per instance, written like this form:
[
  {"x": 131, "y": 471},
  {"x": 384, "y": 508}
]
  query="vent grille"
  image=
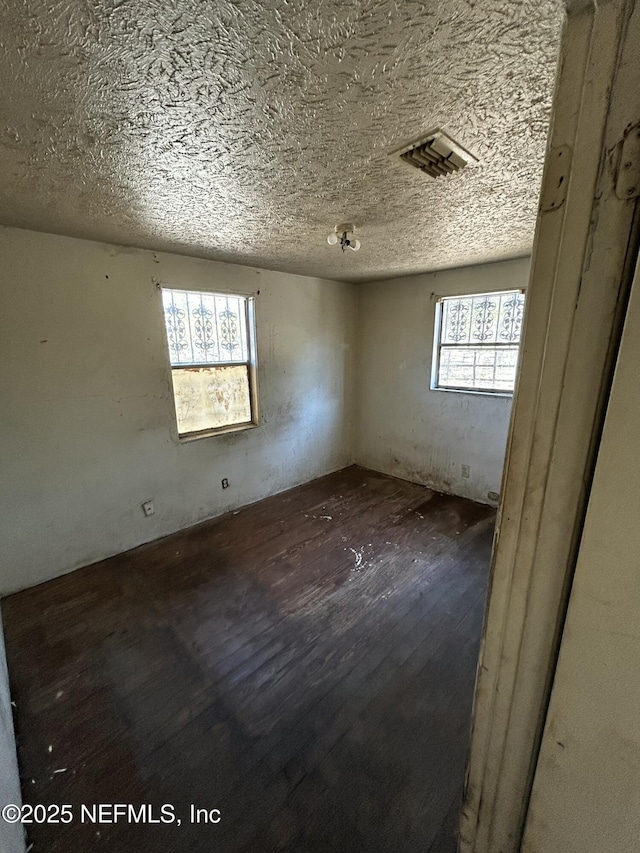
[{"x": 436, "y": 154}]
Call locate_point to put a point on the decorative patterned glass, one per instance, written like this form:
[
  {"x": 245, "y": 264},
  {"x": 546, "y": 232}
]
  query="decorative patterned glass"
[
  {"x": 209, "y": 336},
  {"x": 205, "y": 328},
  {"x": 477, "y": 342}
]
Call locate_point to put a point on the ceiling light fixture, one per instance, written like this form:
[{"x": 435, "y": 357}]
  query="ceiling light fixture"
[{"x": 344, "y": 235}]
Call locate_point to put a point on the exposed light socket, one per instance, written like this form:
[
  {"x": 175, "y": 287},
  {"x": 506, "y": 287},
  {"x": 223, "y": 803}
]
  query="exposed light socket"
[
  {"x": 225, "y": 483},
  {"x": 465, "y": 471},
  {"x": 148, "y": 508},
  {"x": 493, "y": 496}
]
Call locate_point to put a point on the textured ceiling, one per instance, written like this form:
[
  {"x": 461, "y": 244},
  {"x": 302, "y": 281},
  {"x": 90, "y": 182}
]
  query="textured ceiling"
[{"x": 244, "y": 130}]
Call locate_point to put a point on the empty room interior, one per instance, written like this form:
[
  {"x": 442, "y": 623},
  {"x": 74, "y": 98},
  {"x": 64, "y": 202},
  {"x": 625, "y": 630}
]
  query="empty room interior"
[{"x": 264, "y": 287}]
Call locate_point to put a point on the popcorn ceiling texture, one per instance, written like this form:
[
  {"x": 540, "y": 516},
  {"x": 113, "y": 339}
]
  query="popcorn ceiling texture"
[{"x": 244, "y": 131}]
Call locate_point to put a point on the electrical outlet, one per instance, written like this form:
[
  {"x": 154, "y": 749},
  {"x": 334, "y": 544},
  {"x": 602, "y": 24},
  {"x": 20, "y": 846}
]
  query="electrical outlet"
[
  {"x": 465, "y": 471},
  {"x": 493, "y": 496},
  {"x": 225, "y": 483},
  {"x": 148, "y": 508}
]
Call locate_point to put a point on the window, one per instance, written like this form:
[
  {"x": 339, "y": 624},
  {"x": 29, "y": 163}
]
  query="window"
[
  {"x": 477, "y": 339},
  {"x": 211, "y": 342}
]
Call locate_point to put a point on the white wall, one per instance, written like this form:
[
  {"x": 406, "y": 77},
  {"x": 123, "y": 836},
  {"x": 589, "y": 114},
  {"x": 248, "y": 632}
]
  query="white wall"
[
  {"x": 86, "y": 423},
  {"x": 586, "y": 795},
  {"x": 404, "y": 428},
  {"x": 11, "y": 835}
]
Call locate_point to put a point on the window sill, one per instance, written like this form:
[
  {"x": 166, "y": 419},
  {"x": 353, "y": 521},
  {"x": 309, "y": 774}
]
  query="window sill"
[
  {"x": 476, "y": 393},
  {"x": 209, "y": 433}
]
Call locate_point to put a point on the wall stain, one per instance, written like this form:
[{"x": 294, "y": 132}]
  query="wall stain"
[{"x": 443, "y": 509}]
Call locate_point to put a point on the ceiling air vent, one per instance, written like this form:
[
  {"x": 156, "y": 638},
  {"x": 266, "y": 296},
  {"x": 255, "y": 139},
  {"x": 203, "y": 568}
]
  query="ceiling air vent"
[{"x": 435, "y": 153}]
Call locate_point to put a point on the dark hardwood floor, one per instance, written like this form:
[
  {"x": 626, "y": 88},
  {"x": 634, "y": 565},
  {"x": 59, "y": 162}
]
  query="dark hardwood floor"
[{"x": 305, "y": 665}]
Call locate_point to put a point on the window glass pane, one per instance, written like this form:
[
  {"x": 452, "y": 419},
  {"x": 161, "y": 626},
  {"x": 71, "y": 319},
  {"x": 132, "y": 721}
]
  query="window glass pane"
[
  {"x": 510, "y": 317},
  {"x": 211, "y": 397},
  {"x": 480, "y": 368},
  {"x": 484, "y": 318},
  {"x": 205, "y": 328},
  {"x": 487, "y": 318},
  {"x": 456, "y": 321},
  {"x": 479, "y": 339}
]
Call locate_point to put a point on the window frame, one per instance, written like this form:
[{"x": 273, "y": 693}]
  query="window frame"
[
  {"x": 437, "y": 345},
  {"x": 251, "y": 363}
]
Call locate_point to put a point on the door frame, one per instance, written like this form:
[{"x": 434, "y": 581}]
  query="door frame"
[{"x": 585, "y": 249}]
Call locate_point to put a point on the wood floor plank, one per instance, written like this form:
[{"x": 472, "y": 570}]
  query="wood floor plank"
[{"x": 306, "y": 665}]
